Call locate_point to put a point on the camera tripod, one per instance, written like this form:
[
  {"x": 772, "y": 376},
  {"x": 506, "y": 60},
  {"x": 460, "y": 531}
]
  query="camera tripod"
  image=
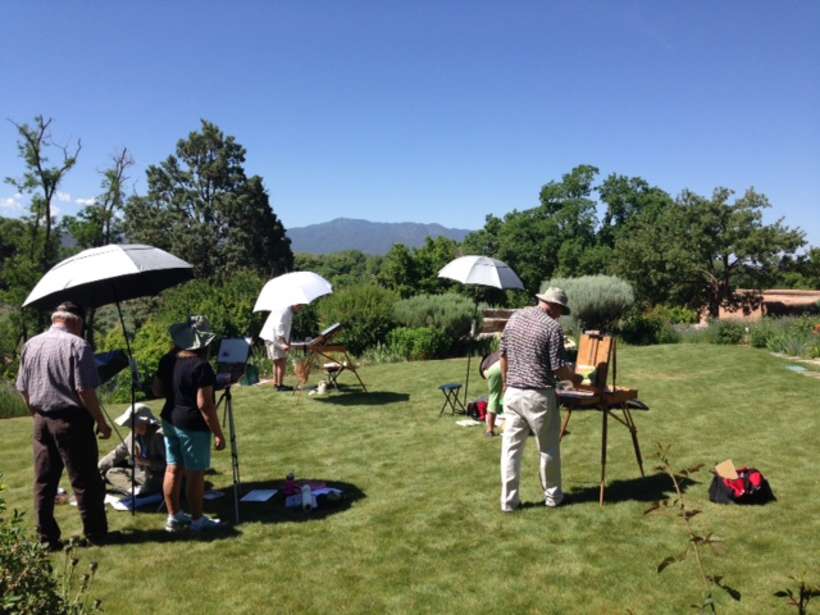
[{"x": 227, "y": 415}]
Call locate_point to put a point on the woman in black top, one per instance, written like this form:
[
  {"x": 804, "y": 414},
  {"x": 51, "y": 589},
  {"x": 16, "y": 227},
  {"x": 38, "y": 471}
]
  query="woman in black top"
[{"x": 186, "y": 380}]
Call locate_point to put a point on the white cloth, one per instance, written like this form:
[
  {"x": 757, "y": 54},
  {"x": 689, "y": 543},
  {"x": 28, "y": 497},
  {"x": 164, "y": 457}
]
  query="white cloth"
[
  {"x": 536, "y": 410},
  {"x": 277, "y": 326}
]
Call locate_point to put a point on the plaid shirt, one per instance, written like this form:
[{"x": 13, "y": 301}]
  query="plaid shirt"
[
  {"x": 53, "y": 367},
  {"x": 533, "y": 344}
]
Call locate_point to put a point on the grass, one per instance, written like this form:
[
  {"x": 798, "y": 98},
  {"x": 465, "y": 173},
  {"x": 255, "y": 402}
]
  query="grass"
[{"x": 424, "y": 533}]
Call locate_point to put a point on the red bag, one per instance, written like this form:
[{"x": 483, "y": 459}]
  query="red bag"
[{"x": 477, "y": 409}]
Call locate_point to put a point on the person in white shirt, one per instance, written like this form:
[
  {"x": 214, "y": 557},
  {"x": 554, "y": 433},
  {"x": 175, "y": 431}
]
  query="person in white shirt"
[{"x": 276, "y": 334}]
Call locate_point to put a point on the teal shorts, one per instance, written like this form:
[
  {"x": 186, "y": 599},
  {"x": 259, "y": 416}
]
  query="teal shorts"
[
  {"x": 187, "y": 449},
  {"x": 495, "y": 384}
]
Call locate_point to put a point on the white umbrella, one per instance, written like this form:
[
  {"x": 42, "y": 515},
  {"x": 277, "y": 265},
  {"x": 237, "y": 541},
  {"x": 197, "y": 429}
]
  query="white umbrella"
[
  {"x": 296, "y": 288},
  {"x": 481, "y": 270}
]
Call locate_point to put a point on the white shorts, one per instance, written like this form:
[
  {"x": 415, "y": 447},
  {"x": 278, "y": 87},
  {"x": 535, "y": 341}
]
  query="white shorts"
[{"x": 275, "y": 351}]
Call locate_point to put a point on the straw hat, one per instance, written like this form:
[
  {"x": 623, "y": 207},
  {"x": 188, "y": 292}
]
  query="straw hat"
[
  {"x": 555, "y": 295},
  {"x": 141, "y": 413},
  {"x": 192, "y": 335}
]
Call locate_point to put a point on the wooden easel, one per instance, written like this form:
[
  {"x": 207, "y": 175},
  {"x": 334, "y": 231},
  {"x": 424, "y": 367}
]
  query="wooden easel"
[{"x": 595, "y": 354}]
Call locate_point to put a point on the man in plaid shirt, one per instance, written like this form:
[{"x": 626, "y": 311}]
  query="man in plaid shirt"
[{"x": 532, "y": 348}]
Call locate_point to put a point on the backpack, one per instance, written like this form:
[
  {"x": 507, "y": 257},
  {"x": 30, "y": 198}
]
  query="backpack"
[
  {"x": 750, "y": 487},
  {"x": 477, "y": 409}
]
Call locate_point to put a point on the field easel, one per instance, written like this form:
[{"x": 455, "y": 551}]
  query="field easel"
[{"x": 596, "y": 352}]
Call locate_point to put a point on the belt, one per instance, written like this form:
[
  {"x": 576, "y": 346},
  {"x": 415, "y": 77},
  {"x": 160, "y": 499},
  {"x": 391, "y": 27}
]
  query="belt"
[
  {"x": 531, "y": 388},
  {"x": 63, "y": 412}
]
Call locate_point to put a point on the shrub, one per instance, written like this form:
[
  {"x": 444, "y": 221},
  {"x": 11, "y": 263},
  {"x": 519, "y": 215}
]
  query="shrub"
[
  {"x": 675, "y": 315},
  {"x": 649, "y": 328},
  {"x": 417, "y": 343},
  {"x": 449, "y": 315},
  {"x": 727, "y": 332},
  {"x": 28, "y": 583},
  {"x": 596, "y": 301},
  {"x": 228, "y": 306},
  {"x": 790, "y": 335},
  {"x": 365, "y": 310},
  {"x": 380, "y": 353},
  {"x": 150, "y": 343},
  {"x": 760, "y": 333}
]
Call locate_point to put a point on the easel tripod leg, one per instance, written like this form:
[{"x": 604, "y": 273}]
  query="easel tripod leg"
[
  {"x": 605, "y": 416},
  {"x": 633, "y": 430},
  {"x": 566, "y": 423}
]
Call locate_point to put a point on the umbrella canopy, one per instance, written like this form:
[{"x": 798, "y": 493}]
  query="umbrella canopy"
[
  {"x": 112, "y": 273},
  {"x": 481, "y": 270},
  {"x": 296, "y": 288}
]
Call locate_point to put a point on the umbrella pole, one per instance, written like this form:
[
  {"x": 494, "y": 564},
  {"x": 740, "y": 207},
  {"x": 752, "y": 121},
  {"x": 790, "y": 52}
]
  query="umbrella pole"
[
  {"x": 132, "y": 365},
  {"x": 473, "y": 326}
]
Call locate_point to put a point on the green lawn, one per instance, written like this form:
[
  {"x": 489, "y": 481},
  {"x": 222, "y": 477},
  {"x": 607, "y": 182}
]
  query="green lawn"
[{"x": 424, "y": 532}]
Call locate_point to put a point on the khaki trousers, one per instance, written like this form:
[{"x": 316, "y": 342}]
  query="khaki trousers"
[{"x": 528, "y": 410}]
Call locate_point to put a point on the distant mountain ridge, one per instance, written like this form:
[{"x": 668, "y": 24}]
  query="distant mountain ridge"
[{"x": 369, "y": 237}]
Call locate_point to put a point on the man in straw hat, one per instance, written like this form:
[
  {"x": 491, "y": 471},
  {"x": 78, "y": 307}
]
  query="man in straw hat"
[
  {"x": 57, "y": 379},
  {"x": 186, "y": 380},
  {"x": 532, "y": 347},
  {"x": 149, "y": 447}
]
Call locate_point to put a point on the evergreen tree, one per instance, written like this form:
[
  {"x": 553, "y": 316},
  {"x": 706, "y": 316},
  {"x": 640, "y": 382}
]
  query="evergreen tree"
[{"x": 203, "y": 208}]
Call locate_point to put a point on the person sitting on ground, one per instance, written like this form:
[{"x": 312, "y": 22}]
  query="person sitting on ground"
[
  {"x": 276, "y": 334},
  {"x": 186, "y": 380},
  {"x": 149, "y": 449},
  {"x": 490, "y": 370}
]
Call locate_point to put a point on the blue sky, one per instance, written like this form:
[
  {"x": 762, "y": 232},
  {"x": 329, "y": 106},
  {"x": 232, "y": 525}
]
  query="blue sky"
[{"x": 429, "y": 111}]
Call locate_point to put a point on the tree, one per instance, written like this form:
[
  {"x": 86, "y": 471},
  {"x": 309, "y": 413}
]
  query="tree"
[
  {"x": 800, "y": 271},
  {"x": 41, "y": 182},
  {"x": 344, "y": 268},
  {"x": 100, "y": 223},
  {"x": 625, "y": 198},
  {"x": 398, "y": 271},
  {"x": 202, "y": 207},
  {"x": 694, "y": 250},
  {"x": 556, "y": 237}
]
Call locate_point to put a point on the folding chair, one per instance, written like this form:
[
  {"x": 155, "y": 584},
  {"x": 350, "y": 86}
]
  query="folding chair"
[
  {"x": 338, "y": 361},
  {"x": 451, "y": 399},
  {"x": 595, "y": 353}
]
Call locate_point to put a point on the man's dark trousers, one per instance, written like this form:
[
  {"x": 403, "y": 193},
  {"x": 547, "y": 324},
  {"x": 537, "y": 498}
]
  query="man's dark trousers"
[{"x": 67, "y": 439}]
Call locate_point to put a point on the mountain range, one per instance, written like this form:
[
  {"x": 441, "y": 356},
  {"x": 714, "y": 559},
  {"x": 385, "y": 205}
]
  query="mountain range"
[{"x": 369, "y": 237}]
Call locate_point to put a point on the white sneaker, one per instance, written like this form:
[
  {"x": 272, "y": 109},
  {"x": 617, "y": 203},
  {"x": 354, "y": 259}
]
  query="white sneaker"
[
  {"x": 205, "y": 523},
  {"x": 174, "y": 525},
  {"x": 177, "y": 523}
]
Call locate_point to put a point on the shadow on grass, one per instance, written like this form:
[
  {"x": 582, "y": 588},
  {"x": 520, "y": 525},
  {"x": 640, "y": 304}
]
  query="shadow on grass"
[
  {"x": 358, "y": 397},
  {"x": 136, "y": 536},
  {"x": 272, "y": 511},
  {"x": 642, "y": 489}
]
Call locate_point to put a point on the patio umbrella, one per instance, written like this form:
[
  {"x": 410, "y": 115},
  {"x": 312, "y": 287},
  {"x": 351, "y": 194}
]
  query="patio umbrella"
[
  {"x": 480, "y": 271},
  {"x": 110, "y": 274},
  {"x": 483, "y": 271},
  {"x": 296, "y": 288}
]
